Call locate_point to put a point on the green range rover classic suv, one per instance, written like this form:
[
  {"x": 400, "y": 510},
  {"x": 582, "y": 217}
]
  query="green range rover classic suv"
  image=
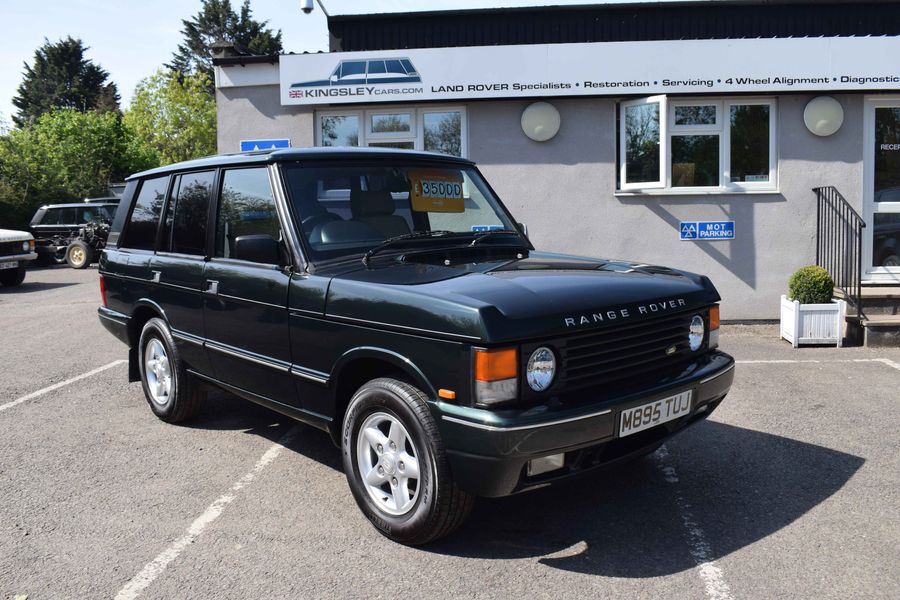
[{"x": 390, "y": 299}]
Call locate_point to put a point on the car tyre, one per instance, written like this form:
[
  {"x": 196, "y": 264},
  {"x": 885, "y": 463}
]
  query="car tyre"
[
  {"x": 171, "y": 392},
  {"x": 13, "y": 277},
  {"x": 59, "y": 257},
  {"x": 79, "y": 255},
  {"x": 389, "y": 422}
]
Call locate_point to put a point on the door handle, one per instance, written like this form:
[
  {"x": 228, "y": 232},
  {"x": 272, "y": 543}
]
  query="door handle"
[
  {"x": 212, "y": 287},
  {"x": 154, "y": 276}
]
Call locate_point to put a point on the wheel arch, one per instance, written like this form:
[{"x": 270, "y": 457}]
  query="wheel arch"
[
  {"x": 145, "y": 310},
  {"x": 359, "y": 365}
]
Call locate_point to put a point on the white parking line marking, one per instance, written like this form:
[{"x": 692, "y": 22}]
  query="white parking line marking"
[
  {"x": 154, "y": 568},
  {"x": 56, "y": 386},
  {"x": 701, "y": 552},
  {"x": 884, "y": 361}
]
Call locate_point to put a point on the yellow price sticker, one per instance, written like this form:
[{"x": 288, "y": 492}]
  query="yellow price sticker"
[{"x": 436, "y": 191}]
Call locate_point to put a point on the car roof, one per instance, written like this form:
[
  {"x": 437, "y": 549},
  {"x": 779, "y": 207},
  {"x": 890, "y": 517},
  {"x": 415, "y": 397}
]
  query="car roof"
[
  {"x": 300, "y": 154},
  {"x": 71, "y": 204}
]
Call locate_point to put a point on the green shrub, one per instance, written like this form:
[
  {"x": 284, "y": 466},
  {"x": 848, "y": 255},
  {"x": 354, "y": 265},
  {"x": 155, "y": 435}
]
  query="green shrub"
[{"x": 811, "y": 285}]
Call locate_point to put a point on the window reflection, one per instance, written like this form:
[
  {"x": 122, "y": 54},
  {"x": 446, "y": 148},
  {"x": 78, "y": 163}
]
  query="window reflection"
[
  {"x": 695, "y": 115},
  {"x": 642, "y": 143},
  {"x": 749, "y": 143},
  {"x": 340, "y": 130},
  {"x": 695, "y": 160},
  {"x": 443, "y": 132}
]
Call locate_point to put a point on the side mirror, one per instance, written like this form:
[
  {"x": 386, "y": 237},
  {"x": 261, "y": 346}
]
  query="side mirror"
[
  {"x": 523, "y": 228},
  {"x": 261, "y": 248}
]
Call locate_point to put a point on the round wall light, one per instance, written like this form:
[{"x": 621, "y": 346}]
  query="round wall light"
[
  {"x": 823, "y": 115},
  {"x": 540, "y": 121}
]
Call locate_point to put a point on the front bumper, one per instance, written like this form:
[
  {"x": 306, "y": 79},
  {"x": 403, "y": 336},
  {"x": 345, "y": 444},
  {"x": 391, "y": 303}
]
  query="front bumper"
[
  {"x": 19, "y": 257},
  {"x": 488, "y": 450}
]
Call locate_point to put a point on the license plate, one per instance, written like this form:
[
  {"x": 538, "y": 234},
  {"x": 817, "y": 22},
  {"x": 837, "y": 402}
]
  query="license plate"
[
  {"x": 651, "y": 414},
  {"x": 9, "y": 265}
]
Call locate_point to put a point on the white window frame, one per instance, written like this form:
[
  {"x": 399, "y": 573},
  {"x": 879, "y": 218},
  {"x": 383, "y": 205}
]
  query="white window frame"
[
  {"x": 685, "y": 130},
  {"x": 722, "y": 128},
  {"x": 772, "y": 183},
  {"x": 417, "y": 125},
  {"x": 463, "y": 126},
  {"x": 663, "y": 143},
  {"x": 391, "y": 136}
]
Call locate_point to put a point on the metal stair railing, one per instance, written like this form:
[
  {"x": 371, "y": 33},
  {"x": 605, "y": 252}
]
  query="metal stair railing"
[{"x": 839, "y": 240}]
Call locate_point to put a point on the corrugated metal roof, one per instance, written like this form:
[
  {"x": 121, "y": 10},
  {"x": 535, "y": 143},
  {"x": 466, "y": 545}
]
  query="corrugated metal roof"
[{"x": 603, "y": 23}]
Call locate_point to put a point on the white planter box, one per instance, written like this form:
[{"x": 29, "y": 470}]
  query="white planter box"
[{"x": 812, "y": 323}]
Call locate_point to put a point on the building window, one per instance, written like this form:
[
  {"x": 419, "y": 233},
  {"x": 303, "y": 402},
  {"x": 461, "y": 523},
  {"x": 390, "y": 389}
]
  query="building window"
[
  {"x": 697, "y": 145},
  {"x": 440, "y": 130}
]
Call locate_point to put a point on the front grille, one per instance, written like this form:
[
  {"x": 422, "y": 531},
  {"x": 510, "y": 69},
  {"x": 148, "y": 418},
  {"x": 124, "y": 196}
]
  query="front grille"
[
  {"x": 625, "y": 352},
  {"x": 10, "y": 248}
]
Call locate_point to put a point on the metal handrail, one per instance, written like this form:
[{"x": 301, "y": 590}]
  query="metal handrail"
[{"x": 839, "y": 240}]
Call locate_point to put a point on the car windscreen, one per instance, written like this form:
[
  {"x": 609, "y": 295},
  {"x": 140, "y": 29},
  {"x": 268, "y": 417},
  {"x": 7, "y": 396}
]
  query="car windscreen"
[{"x": 346, "y": 209}]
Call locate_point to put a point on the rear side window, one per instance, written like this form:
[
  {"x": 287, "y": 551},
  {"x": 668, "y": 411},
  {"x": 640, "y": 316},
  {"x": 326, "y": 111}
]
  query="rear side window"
[
  {"x": 94, "y": 213},
  {"x": 188, "y": 220},
  {"x": 60, "y": 216},
  {"x": 247, "y": 207},
  {"x": 141, "y": 230}
]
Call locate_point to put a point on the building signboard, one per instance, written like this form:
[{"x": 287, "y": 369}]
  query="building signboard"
[{"x": 592, "y": 69}]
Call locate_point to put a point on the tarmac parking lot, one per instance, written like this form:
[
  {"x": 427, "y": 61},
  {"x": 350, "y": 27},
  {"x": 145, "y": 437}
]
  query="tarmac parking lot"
[{"x": 790, "y": 490}]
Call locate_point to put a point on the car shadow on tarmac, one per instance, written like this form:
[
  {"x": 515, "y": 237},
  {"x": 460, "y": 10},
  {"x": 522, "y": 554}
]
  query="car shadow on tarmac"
[
  {"x": 30, "y": 287},
  {"x": 738, "y": 485},
  {"x": 224, "y": 412}
]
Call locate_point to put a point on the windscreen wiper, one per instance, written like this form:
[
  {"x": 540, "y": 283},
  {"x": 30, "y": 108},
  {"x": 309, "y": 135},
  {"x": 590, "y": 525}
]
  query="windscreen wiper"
[
  {"x": 399, "y": 238},
  {"x": 483, "y": 234}
]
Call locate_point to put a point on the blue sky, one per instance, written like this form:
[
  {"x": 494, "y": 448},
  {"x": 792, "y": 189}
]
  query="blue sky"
[{"x": 131, "y": 38}]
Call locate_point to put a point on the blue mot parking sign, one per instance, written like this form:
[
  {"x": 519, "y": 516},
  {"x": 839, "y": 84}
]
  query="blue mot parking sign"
[{"x": 706, "y": 230}]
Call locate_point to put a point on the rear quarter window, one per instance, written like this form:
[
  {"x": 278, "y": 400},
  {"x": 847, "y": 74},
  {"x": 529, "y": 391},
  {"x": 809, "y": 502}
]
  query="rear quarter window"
[{"x": 140, "y": 232}]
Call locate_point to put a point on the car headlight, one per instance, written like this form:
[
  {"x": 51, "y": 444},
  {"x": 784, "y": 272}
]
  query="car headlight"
[
  {"x": 26, "y": 246},
  {"x": 541, "y": 369},
  {"x": 695, "y": 336}
]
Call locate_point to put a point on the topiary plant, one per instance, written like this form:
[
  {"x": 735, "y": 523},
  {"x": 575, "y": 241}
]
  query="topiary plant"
[{"x": 811, "y": 285}]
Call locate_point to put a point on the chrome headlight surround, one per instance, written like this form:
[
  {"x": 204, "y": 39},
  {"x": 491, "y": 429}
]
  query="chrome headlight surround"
[
  {"x": 696, "y": 332},
  {"x": 540, "y": 371}
]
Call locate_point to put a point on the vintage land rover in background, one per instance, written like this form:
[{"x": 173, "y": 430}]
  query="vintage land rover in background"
[{"x": 389, "y": 299}]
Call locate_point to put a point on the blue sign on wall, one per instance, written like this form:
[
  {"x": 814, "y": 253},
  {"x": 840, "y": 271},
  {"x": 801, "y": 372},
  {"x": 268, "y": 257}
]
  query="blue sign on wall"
[
  {"x": 706, "y": 230},
  {"x": 251, "y": 145}
]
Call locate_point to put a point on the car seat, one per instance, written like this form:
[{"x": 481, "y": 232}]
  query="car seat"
[{"x": 376, "y": 208}]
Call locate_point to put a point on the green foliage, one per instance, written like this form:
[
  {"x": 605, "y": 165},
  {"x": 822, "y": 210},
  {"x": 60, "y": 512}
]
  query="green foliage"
[
  {"x": 62, "y": 156},
  {"x": 62, "y": 77},
  {"x": 174, "y": 116},
  {"x": 811, "y": 285},
  {"x": 217, "y": 22}
]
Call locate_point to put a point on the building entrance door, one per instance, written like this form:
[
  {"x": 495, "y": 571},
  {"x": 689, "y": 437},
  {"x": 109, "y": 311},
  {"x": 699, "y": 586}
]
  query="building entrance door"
[{"x": 881, "y": 252}]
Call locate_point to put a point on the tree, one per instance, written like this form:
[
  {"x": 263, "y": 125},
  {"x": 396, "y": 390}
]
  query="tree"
[
  {"x": 174, "y": 115},
  {"x": 62, "y": 77},
  {"x": 65, "y": 155},
  {"x": 216, "y": 22}
]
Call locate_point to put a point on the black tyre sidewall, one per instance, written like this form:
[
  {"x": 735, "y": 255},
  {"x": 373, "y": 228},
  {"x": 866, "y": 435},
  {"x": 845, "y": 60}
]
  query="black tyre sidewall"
[
  {"x": 157, "y": 328},
  {"x": 413, "y": 525},
  {"x": 13, "y": 277}
]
